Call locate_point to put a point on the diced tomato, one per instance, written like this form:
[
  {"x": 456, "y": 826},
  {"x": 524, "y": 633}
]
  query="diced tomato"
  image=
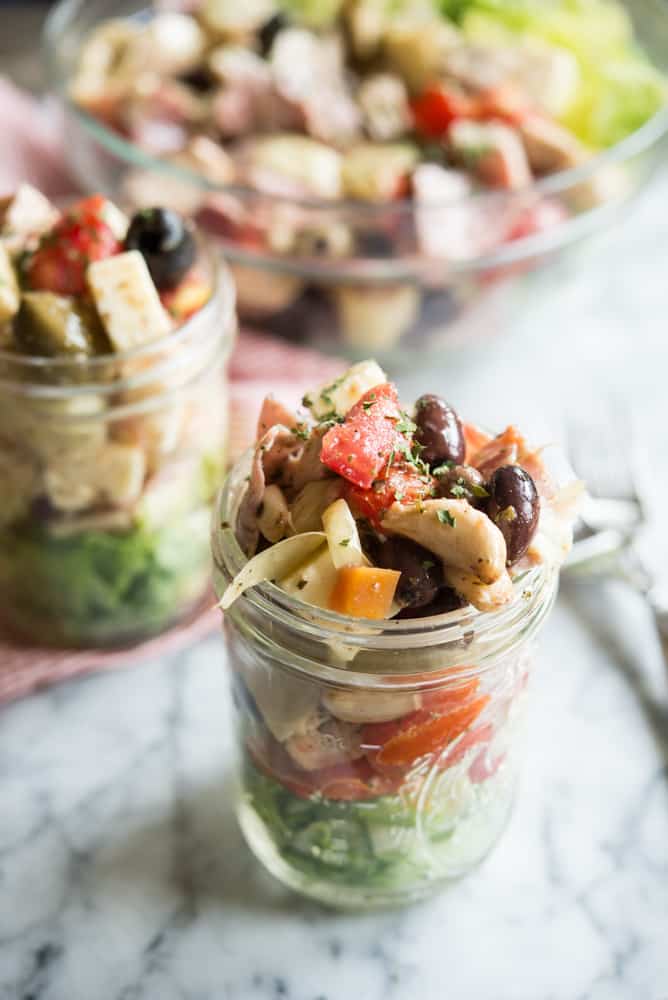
[
  {"x": 437, "y": 108},
  {"x": 81, "y": 236},
  {"x": 399, "y": 744},
  {"x": 400, "y": 481},
  {"x": 360, "y": 448}
]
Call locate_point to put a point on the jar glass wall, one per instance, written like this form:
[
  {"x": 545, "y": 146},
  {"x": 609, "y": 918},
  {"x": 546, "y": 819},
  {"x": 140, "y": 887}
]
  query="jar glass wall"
[
  {"x": 107, "y": 472},
  {"x": 376, "y": 761}
]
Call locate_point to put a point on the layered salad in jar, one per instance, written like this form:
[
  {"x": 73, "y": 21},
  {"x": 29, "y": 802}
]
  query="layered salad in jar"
[
  {"x": 387, "y": 517},
  {"x": 338, "y": 137},
  {"x": 112, "y": 418}
]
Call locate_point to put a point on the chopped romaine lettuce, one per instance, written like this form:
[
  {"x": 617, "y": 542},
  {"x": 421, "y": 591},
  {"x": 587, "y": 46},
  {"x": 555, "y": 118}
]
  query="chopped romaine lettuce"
[
  {"x": 619, "y": 88},
  {"x": 103, "y": 586}
]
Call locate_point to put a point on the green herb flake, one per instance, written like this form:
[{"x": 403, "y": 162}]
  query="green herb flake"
[
  {"x": 478, "y": 491},
  {"x": 301, "y": 431},
  {"x": 445, "y": 517},
  {"x": 344, "y": 543},
  {"x": 457, "y": 491},
  {"x": 428, "y": 564},
  {"x": 442, "y": 470},
  {"x": 405, "y": 425}
]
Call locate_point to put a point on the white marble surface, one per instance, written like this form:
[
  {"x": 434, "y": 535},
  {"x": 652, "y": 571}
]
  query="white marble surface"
[{"x": 123, "y": 875}]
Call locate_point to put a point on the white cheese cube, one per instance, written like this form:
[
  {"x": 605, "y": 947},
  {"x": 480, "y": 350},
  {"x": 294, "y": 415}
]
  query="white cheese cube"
[
  {"x": 345, "y": 391},
  {"x": 127, "y": 300},
  {"x": 9, "y": 289},
  {"x": 27, "y": 213}
]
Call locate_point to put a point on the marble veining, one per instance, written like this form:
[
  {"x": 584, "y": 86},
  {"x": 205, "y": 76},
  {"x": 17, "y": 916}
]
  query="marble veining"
[{"x": 122, "y": 872}]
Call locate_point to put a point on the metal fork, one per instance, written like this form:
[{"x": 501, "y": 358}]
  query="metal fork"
[{"x": 615, "y": 513}]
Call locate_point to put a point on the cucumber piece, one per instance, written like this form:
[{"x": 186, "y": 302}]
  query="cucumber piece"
[{"x": 51, "y": 325}]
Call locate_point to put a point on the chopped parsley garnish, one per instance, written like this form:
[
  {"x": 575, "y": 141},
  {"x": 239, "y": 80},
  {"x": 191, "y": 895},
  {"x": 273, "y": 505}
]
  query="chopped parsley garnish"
[
  {"x": 445, "y": 517},
  {"x": 405, "y": 425},
  {"x": 345, "y": 542},
  {"x": 391, "y": 458},
  {"x": 326, "y": 393},
  {"x": 458, "y": 491},
  {"x": 441, "y": 470},
  {"x": 301, "y": 431},
  {"x": 307, "y": 401}
]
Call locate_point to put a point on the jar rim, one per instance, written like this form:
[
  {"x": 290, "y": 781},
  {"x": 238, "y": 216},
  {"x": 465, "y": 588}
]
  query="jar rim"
[
  {"x": 223, "y": 295},
  {"x": 534, "y": 592}
]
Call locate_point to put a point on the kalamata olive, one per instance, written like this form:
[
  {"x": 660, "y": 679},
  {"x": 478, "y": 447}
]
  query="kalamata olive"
[
  {"x": 166, "y": 244},
  {"x": 421, "y": 572},
  {"x": 514, "y": 506},
  {"x": 200, "y": 80},
  {"x": 267, "y": 33},
  {"x": 446, "y": 600},
  {"x": 439, "y": 431},
  {"x": 462, "y": 482}
]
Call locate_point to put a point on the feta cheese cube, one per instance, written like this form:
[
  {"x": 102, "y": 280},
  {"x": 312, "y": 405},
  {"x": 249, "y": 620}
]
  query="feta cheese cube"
[{"x": 127, "y": 300}]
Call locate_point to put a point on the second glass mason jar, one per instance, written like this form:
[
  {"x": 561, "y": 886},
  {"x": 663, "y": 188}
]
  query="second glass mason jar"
[
  {"x": 108, "y": 469},
  {"x": 376, "y": 761}
]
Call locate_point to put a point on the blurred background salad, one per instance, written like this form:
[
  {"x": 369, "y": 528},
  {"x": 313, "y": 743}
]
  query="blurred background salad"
[{"x": 372, "y": 170}]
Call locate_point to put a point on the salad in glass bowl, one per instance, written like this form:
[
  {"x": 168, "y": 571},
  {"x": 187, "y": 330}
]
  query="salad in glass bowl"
[
  {"x": 383, "y": 574},
  {"x": 370, "y": 168},
  {"x": 113, "y": 339}
]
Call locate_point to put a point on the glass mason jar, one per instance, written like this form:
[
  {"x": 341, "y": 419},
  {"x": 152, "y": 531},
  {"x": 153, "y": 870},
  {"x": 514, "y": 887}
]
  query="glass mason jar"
[
  {"x": 376, "y": 761},
  {"x": 108, "y": 468}
]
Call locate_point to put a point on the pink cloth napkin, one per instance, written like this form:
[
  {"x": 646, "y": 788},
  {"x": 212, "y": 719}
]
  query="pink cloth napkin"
[{"x": 259, "y": 365}]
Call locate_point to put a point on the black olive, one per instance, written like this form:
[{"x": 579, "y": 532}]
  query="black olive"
[
  {"x": 439, "y": 431},
  {"x": 267, "y": 33},
  {"x": 374, "y": 243},
  {"x": 514, "y": 505},
  {"x": 200, "y": 80},
  {"x": 166, "y": 244},
  {"x": 462, "y": 482},
  {"x": 446, "y": 600},
  {"x": 421, "y": 571}
]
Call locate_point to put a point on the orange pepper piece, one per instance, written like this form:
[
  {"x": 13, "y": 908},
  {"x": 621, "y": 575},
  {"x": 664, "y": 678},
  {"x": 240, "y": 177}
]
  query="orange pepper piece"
[{"x": 364, "y": 591}]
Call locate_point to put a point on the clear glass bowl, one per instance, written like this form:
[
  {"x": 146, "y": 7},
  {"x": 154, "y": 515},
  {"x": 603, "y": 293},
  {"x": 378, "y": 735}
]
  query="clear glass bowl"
[
  {"x": 108, "y": 469},
  {"x": 377, "y": 761},
  {"x": 372, "y": 291}
]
